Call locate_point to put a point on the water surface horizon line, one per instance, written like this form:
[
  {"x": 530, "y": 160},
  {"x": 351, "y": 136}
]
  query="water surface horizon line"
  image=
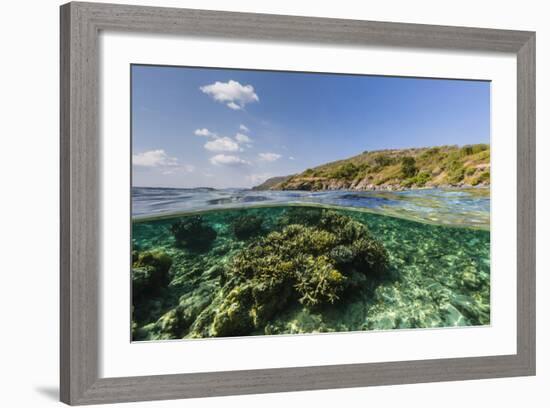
[
  {"x": 458, "y": 188},
  {"x": 140, "y": 218}
]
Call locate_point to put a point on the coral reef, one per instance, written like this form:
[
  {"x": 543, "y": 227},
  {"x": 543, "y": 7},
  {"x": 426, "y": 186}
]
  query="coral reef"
[
  {"x": 300, "y": 215},
  {"x": 298, "y": 265},
  {"x": 247, "y": 226},
  {"x": 191, "y": 232},
  {"x": 149, "y": 272},
  {"x": 311, "y": 270}
]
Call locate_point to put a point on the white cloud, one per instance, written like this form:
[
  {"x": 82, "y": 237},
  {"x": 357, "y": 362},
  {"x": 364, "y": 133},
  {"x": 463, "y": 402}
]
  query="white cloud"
[
  {"x": 269, "y": 157},
  {"x": 160, "y": 159},
  {"x": 291, "y": 158},
  {"x": 244, "y": 128},
  {"x": 234, "y": 106},
  {"x": 222, "y": 144},
  {"x": 240, "y": 138},
  {"x": 204, "y": 132},
  {"x": 232, "y": 93},
  {"x": 154, "y": 158},
  {"x": 227, "y": 160}
]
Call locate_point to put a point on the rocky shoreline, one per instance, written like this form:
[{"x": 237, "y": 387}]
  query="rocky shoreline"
[
  {"x": 335, "y": 185},
  {"x": 395, "y": 170}
]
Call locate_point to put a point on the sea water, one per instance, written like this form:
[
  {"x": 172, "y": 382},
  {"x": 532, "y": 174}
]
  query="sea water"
[{"x": 438, "y": 243}]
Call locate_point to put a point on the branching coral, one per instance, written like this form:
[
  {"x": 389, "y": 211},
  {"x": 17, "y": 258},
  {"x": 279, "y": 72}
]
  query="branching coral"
[
  {"x": 319, "y": 282},
  {"x": 301, "y": 264}
]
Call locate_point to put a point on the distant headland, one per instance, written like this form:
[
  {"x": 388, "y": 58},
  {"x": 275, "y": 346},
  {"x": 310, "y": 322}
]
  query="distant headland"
[{"x": 394, "y": 169}]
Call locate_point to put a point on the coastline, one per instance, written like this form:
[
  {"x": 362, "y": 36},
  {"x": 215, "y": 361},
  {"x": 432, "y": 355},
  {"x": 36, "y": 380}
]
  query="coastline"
[{"x": 392, "y": 187}]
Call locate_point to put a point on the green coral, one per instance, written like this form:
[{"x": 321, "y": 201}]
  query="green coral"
[
  {"x": 342, "y": 255},
  {"x": 233, "y": 317},
  {"x": 300, "y": 215},
  {"x": 319, "y": 282},
  {"x": 170, "y": 324},
  {"x": 150, "y": 277},
  {"x": 247, "y": 226},
  {"x": 149, "y": 272},
  {"x": 192, "y": 233},
  {"x": 298, "y": 265}
]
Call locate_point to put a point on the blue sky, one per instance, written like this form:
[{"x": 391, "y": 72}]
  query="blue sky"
[{"x": 196, "y": 127}]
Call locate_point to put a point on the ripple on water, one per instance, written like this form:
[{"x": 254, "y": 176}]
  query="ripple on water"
[{"x": 468, "y": 207}]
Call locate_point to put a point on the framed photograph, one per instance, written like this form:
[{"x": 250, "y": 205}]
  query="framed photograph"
[{"x": 261, "y": 203}]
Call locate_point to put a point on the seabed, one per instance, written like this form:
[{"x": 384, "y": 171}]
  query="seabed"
[{"x": 434, "y": 275}]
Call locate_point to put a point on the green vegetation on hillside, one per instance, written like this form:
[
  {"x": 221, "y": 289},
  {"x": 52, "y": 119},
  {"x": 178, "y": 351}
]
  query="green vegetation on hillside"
[{"x": 442, "y": 166}]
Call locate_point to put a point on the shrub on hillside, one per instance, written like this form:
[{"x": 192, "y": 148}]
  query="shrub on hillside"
[
  {"x": 408, "y": 167},
  {"x": 346, "y": 171},
  {"x": 383, "y": 160}
]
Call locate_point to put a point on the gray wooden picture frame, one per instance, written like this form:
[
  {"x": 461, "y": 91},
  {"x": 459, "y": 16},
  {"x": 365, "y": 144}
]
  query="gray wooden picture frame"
[{"x": 80, "y": 192}]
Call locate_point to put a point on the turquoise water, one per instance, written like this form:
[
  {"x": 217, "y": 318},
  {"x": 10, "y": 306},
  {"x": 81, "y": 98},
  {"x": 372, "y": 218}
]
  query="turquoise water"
[{"x": 437, "y": 274}]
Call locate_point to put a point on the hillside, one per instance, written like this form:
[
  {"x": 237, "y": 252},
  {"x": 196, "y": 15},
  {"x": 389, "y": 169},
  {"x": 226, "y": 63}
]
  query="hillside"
[
  {"x": 271, "y": 182},
  {"x": 395, "y": 169}
]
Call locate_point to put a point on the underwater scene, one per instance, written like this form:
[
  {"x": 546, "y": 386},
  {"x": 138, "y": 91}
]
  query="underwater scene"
[
  {"x": 271, "y": 202},
  {"x": 220, "y": 263}
]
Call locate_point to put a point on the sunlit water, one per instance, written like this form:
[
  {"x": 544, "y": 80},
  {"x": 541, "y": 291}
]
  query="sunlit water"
[
  {"x": 438, "y": 243},
  {"x": 464, "y": 207}
]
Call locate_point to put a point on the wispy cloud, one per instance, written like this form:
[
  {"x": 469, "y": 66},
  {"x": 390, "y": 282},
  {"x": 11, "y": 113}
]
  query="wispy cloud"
[
  {"x": 159, "y": 159},
  {"x": 241, "y": 138},
  {"x": 269, "y": 157},
  {"x": 234, "y": 106},
  {"x": 222, "y": 144},
  {"x": 153, "y": 158},
  {"x": 231, "y": 93},
  {"x": 244, "y": 128},
  {"x": 204, "y": 132},
  {"x": 228, "y": 160},
  {"x": 184, "y": 168}
]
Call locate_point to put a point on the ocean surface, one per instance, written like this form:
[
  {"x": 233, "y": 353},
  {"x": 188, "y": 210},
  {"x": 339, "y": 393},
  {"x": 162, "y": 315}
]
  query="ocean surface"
[
  {"x": 461, "y": 207},
  {"x": 438, "y": 246}
]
